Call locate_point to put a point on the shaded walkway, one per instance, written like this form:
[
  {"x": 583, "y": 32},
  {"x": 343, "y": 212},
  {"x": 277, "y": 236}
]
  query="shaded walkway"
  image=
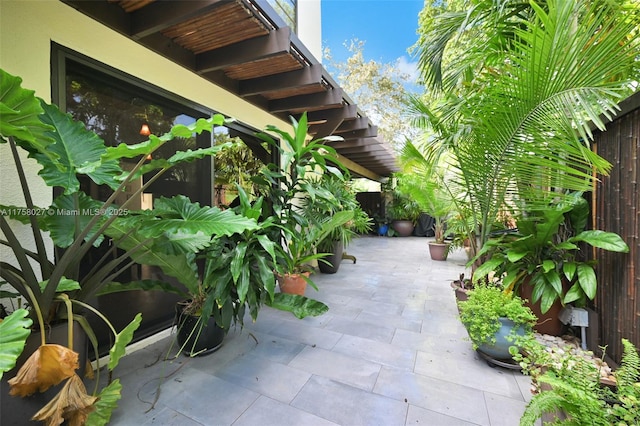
[{"x": 390, "y": 351}]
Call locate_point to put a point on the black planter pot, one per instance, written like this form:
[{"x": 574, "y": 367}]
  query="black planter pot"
[
  {"x": 17, "y": 411},
  {"x": 197, "y": 337},
  {"x": 334, "y": 259}
]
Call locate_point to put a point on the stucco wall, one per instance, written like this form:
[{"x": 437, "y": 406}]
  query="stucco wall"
[
  {"x": 26, "y": 31},
  {"x": 310, "y": 26}
]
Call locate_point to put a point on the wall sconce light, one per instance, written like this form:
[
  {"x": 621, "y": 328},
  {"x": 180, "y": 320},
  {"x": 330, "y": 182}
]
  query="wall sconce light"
[{"x": 144, "y": 130}]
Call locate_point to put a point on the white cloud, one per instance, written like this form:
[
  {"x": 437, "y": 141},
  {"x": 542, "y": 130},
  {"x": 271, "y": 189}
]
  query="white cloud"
[{"x": 408, "y": 68}]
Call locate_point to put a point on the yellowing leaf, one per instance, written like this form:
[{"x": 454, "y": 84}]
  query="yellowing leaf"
[
  {"x": 46, "y": 367},
  {"x": 72, "y": 403}
]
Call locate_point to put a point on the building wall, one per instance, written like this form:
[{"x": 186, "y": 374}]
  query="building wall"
[
  {"x": 310, "y": 26},
  {"x": 27, "y": 29}
]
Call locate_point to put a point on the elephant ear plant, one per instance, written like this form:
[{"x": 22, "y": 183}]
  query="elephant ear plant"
[{"x": 55, "y": 290}]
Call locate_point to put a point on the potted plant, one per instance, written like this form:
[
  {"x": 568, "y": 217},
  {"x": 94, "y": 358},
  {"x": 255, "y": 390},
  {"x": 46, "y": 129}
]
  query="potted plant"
[
  {"x": 402, "y": 210},
  {"x": 232, "y": 274},
  {"x": 339, "y": 197},
  {"x": 55, "y": 291},
  {"x": 286, "y": 186},
  {"x": 495, "y": 319},
  {"x": 433, "y": 199},
  {"x": 543, "y": 262}
]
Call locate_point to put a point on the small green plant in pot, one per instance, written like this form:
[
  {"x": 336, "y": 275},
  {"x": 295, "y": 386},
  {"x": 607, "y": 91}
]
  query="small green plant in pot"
[{"x": 495, "y": 319}]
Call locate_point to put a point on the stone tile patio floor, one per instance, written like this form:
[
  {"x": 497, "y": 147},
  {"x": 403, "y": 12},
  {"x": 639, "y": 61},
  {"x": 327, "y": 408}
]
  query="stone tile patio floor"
[{"x": 390, "y": 351}]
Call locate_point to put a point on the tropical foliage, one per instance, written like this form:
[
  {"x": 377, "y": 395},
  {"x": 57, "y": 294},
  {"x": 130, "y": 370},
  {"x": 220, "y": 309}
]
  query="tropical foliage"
[
  {"x": 545, "y": 253},
  {"x": 68, "y": 155},
  {"x": 517, "y": 103},
  {"x": 573, "y": 386},
  {"x": 289, "y": 184},
  {"x": 339, "y": 197}
]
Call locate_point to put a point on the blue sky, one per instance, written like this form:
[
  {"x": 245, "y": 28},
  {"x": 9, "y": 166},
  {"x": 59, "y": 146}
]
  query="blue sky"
[{"x": 387, "y": 26}]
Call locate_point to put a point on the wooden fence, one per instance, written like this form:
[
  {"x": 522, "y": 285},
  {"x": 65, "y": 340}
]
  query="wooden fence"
[{"x": 616, "y": 208}]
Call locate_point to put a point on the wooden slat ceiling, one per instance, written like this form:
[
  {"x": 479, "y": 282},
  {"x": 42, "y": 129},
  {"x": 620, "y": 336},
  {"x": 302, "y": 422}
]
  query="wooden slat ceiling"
[{"x": 245, "y": 47}]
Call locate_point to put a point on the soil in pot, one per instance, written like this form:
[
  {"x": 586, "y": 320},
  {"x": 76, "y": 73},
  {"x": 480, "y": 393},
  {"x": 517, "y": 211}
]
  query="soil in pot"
[
  {"x": 293, "y": 283},
  {"x": 197, "y": 337},
  {"x": 438, "y": 251},
  {"x": 333, "y": 259}
]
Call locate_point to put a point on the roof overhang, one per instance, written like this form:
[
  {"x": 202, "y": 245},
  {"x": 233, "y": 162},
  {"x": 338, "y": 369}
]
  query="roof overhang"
[{"x": 246, "y": 48}]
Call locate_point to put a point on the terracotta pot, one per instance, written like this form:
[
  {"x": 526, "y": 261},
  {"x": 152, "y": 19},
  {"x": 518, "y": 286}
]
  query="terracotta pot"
[
  {"x": 404, "y": 228},
  {"x": 438, "y": 251},
  {"x": 549, "y": 322},
  {"x": 293, "y": 283}
]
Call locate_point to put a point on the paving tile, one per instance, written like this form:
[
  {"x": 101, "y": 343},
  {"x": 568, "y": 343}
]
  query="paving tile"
[
  {"x": 268, "y": 378},
  {"x": 437, "y": 395},
  {"x": 275, "y": 348},
  {"x": 206, "y": 399},
  {"x": 504, "y": 411},
  {"x": 269, "y": 412},
  {"x": 377, "y": 307},
  {"x": 306, "y": 334},
  {"x": 420, "y": 416},
  {"x": 395, "y": 321},
  {"x": 475, "y": 373},
  {"x": 378, "y": 352},
  {"x": 343, "y": 368},
  {"x": 349, "y": 406},
  {"x": 368, "y": 330},
  {"x": 167, "y": 417},
  {"x": 391, "y": 351}
]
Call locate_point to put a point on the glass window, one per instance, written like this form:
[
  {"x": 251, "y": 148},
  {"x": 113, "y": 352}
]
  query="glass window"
[{"x": 287, "y": 9}]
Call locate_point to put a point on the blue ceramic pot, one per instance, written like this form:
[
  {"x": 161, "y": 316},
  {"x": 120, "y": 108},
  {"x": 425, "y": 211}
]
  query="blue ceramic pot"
[{"x": 500, "y": 350}]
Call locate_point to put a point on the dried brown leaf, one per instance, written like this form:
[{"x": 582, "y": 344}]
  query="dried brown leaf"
[
  {"x": 72, "y": 403},
  {"x": 46, "y": 367}
]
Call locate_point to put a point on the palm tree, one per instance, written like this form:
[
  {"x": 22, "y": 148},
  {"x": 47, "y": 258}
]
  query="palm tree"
[{"x": 518, "y": 132}]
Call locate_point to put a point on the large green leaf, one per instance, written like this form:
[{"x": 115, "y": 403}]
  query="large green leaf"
[
  {"x": 588, "y": 281},
  {"x": 14, "y": 331},
  {"x": 181, "y": 214},
  {"x": 79, "y": 151},
  {"x": 68, "y": 216},
  {"x": 19, "y": 112},
  {"x": 107, "y": 402},
  {"x": 64, "y": 285},
  {"x": 122, "y": 339},
  {"x": 604, "y": 240},
  {"x": 145, "y": 285},
  {"x": 142, "y": 250},
  {"x": 300, "y": 306}
]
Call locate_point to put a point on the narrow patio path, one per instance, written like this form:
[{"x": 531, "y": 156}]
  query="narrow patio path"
[{"x": 390, "y": 351}]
